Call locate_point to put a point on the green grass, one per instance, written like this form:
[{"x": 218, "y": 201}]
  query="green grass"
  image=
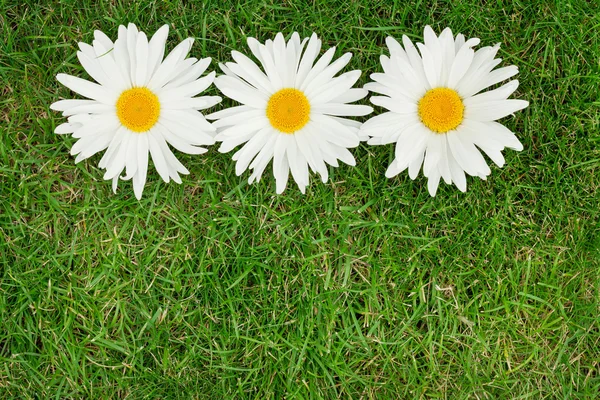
[{"x": 364, "y": 288}]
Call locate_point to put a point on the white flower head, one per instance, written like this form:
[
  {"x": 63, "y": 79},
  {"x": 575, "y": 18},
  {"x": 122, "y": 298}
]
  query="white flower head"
[
  {"x": 291, "y": 110},
  {"x": 436, "y": 116},
  {"x": 139, "y": 104}
]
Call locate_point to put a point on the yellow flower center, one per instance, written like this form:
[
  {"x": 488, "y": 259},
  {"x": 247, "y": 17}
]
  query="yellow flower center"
[
  {"x": 288, "y": 110},
  {"x": 441, "y": 110},
  {"x": 138, "y": 109}
]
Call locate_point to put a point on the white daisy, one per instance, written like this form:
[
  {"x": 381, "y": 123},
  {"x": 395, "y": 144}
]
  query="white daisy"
[
  {"x": 435, "y": 115},
  {"x": 291, "y": 111},
  {"x": 140, "y": 103}
]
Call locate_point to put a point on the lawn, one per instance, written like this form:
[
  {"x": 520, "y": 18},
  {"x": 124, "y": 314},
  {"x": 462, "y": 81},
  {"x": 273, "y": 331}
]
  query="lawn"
[{"x": 364, "y": 288}]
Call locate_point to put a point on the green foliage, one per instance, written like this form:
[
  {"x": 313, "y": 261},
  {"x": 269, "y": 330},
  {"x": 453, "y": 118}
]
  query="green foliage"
[{"x": 364, "y": 288}]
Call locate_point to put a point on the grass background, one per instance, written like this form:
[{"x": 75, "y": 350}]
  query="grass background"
[{"x": 364, "y": 288}]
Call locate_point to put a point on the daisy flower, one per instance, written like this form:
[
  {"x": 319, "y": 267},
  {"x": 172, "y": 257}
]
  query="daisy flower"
[
  {"x": 437, "y": 115},
  {"x": 291, "y": 110},
  {"x": 139, "y": 105}
]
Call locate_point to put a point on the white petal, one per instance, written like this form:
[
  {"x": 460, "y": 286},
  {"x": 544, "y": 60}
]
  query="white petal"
[
  {"x": 121, "y": 55},
  {"x": 87, "y": 88},
  {"x": 307, "y": 60},
  {"x": 270, "y": 67},
  {"x": 350, "y": 123},
  {"x": 66, "y": 128},
  {"x": 298, "y": 165},
  {"x": 139, "y": 180},
  {"x": 160, "y": 164},
  {"x": 395, "y": 48},
  {"x": 493, "y": 110},
  {"x": 164, "y": 72},
  {"x": 291, "y": 62},
  {"x": 332, "y": 89},
  {"x": 115, "y": 183},
  {"x": 239, "y": 118},
  {"x": 508, "y": 138},
  {"x": 280, "y": 165},
  {"x": 156, "y": 49},
  {"x": 241, "y": 92},
  {"x": 327, "y": 151},
  {"x": 174, "y": 164},
  {"x": 318, "y": 67},
  {"x": 443, "y": 166},
  {"x": 230, "y": 143},
  {"x": 463, "y": 154},
  {"x": 471, "y": 155},
  {"x": 93, "y": 108},
  {"x": 315, "y": 149},
  {"x": 262, "y": 159},
  {"x": 254, "y": 46},
  {"x": 344, "y": 155},
  {"x": 433, "y": 182},
  {"x": 64, "y": 105},
  {"x": 228, "y": 112},
  {"x": 416, "y": 61},
  {"x": 193, "y": 120},
  {"x": 92, "y": 145},
  {"x": 190, "y": 74},
  {"x": 245, "y": 155},
  {"x": 334, "y": 132},
  {"x": 96, "y": 125},
  {"x": 249, "y": 125},
  {"x": 113, "y": 147},
  {"x": 281, "y": 60},
  {"x": 177, "y": 142},
  {"x": 189, "y": 135},
  {"x": 431, "y": 71},
  {"x": 461, "y": 64},
  {"x": 376, "y": 124},
  {"x": 350, "y": 96},
  {"x": 459, "y": 41},
  {"x": 189, "y": 89},
  {"x": 394, "y": 169},
  {"x": 115, "y": 165},
  {"x": 93, "y": 68},
  {"x": 433, "y": 153},
  {"x": 250, "y": 72},
  {"x": 400, "y": 83},
  {"x": 494, "y": 132},
  {"x": 303, "y": 146},
  {"x": 412, "y": 142},
  {"x": 131, "y": 162},
  {"x": 141, "y": 64},
  {"x": 194, "y": 103},
  {"x": 415, "y": 164},
  {"x": 103, "y": 39},
  {"x": 314, "y": 84},
  {"x": 82, "y": 118},
  {"x": 132, "y": 33},
  {"x": 343, "y": 110},
  {"x": 458, "y": 175},
  {"x": 105, "y": 59},
  {"x": 395, "y": 105},
  {"x": 446, "y": 41},
  {"x": 501, "y": 93},
  {"x": 468, "y": 87}
]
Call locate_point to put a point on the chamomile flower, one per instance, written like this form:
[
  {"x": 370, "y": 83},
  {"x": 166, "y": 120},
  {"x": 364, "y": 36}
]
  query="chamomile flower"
[
  {"x": 437, "y": 115},
  {"x": 139, "y": 105},
  {"x": 292, "y": 110}
]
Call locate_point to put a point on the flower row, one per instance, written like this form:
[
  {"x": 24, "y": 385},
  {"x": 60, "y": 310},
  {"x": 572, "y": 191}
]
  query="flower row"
[{"x": 294, "y": 108}]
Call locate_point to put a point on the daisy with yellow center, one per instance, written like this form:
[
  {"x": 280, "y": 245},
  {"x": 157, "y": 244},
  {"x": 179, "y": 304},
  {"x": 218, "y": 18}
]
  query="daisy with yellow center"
[
  {"x": 292, "y": 110},
  {"x": 140, "y": 105},
  {"x": 436, "y": 114}
]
